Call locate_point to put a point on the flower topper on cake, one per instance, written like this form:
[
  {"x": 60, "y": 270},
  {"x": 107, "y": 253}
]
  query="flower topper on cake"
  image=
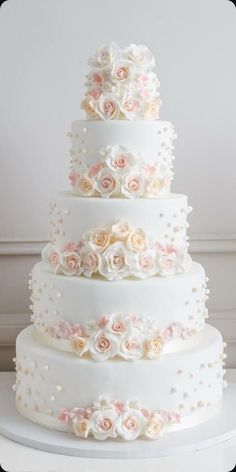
[{"x": 121, "y": 84}]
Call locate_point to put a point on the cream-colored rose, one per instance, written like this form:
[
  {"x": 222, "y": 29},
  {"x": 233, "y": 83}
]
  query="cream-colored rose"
[
  {"x": 105, "y": 55},
  {"x": 99, "y": 239},
  {"x": 88, "y": 104},
  {"x": 51, "y": 257},
  {"x": 137, "y": 240},
  {"x": 85, "y": 186},
  {"x": 153, "y": 187},
  {"x": 81, "y": 428},
  {"x": 154, "y": 427},
  {"x": 153, "y": 347},
  {"x": 79, "y": 345},
  {"x": 151, "y": 108}
]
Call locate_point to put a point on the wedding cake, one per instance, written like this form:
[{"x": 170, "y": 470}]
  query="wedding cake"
[{"x": 119, "y": 347}]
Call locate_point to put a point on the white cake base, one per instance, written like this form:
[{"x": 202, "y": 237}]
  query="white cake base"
[{"x": 215, "y": 431}]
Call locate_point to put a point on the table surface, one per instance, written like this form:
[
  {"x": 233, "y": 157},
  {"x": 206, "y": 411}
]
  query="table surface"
[{"x": 17, "y": 458}]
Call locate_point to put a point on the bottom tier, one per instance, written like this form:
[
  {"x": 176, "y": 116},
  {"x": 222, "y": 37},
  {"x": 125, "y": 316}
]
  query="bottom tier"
[{"x": 119, "y": 398}]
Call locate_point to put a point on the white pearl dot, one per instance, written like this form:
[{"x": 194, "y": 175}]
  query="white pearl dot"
[
  {"x": 46, "y": 367},
  {"x": 53, "y": 398},
  {"x": 58, "y": 388}
]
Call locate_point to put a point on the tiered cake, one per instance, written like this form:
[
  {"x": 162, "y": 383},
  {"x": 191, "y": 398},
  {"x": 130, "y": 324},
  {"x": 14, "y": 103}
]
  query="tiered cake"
[{"x": 119, "y": 346}]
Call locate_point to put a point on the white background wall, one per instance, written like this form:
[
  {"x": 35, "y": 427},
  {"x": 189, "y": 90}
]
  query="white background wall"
[{"x": 44, "y": 45}]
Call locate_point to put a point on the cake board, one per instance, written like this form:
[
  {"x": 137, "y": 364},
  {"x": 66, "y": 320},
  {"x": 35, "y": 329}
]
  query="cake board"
[{"x": 212, "y": 433}]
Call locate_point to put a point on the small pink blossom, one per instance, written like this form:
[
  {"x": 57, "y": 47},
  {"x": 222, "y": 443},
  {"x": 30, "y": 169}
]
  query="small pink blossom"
[
  {"x": 119, "y": 406},
  {"x": 73, "y": 178},
  {"x": 64, "y": 415},
  {"x": 95, "y": 169},
  {"x": 103, "y": 321},
  {"x": 95, "y": 93}
]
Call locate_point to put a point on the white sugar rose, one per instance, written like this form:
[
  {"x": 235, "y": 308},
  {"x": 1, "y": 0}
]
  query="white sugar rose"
[
  {"x": 131, "y": 107},
  {"x": 71, "y": 263},
  {"x": 133, "y": 186},
  {"x": 107, "y": 183},
  {"x": 120, "y": 229},
  {"x": 123, "y": 72},
  {"x": 116, "y": 325},
  {"x": 105, "y": 55},
  {"x": 137, "y": 240},
  {"x": 140, "y": 55},
  {"x": 90, "y": 261},
  {"x": 183, "y": 262},
  {"x": 131, "y": 347},
  {"x": 81, "y": 428},
  {"x": 119, "y": 159},
  {"x": 103, "y": 424},
  {"x": 51, "y": 257},
  {"x": 103, "y": 346},
  {"x": 85, "y": 186},
  {"x": 145, "y": 264},
  {"x": 131, "y": 424},
  {"x": 151, "y": 108},
  {"x": 154, "y": 427},
  {"x": 114, "y": 262},
  {"x": 108, "y": 107},
  {"x": 98, "y": 239}
]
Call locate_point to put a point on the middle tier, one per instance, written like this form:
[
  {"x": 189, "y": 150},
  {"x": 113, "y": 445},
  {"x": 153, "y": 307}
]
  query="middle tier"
[{"x": 162, "y": 314}]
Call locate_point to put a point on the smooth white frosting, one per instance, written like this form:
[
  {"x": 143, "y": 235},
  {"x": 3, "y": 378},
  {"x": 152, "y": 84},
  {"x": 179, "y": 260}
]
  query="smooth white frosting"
[
  {"x": 57, "y": 298},
  {"x": 185, "y": 383}
]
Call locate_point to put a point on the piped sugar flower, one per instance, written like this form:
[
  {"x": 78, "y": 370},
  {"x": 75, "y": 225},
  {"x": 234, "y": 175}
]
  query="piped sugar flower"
[
  {"x": 71, "y": 263},
  {"x": 108, "y": 107},
  {"x": 84, "y": 186},
  {"x": 115, "y": 262},
  {"x": 123, "y": 72},
  {"x": 116, "y": 325},
  {"x": 120, "y": 159},
  {"x": 103, "y": 424},
  {"x": 145, "y": 264},
  {"x": 133, "y": 185},
  {"x": 107, "y": 184},
  {"x": 51, "y": 257},
  {"x": 90, "y": 261},
  {"x": 140, "y": 55},
  {"x": 167, "y": 260},
  {"x": 102, "y": 346},
  {"x": 105, "y": 55},
  {"x": 131, "y": 424}
]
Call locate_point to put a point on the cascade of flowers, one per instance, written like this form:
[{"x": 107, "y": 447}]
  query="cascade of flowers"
[{"x": 122, "y": 84}]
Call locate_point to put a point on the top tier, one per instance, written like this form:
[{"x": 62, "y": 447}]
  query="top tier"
[
  {"x": 122, "y": 150},
  {"x": 121, "y": 84}
]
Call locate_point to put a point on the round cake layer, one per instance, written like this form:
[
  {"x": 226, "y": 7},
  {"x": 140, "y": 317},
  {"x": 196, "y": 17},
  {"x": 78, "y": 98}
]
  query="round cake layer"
[
  {"x": 153, "y": 139},
  {"x": 60, "y": 302},
  {"x": 164, "y": 219},
  {"x": 188, "y": 384}
]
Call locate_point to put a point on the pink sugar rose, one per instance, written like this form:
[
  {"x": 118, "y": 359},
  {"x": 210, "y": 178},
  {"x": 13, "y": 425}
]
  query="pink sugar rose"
[
  {"x": 90, "y": 261},
  {"x": 71, "y": 263},
  {"x": 116, "y": 325},
  {"x": 51, "y": 257},
  {"x": 102, "y": 346},
  {"x": 64, "y": 415},
  {"x": 167, "y": 260},
  {"x": 103, "y": 424},
  {"x": 73, "y": 178},
  {"x": 103, "y": 321},
  {"x": 107, "y": 184},
  {"x": 131, "y": 424},
  {"x": 131, "y": 347},
  {"x": 108, "y": 107},
  {"x": 130, "y": 107},
  {"x": 145, "y": 264},
  {"x": 123, "y": 71},
  {"x": 114, "y": 263},
  {"x": 95, "y": 93}
]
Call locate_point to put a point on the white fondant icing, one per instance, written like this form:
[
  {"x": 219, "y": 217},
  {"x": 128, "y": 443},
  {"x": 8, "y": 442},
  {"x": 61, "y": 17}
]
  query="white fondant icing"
[
  {"x": 83, "y": 380},
  {"x": 82, "y": 300},
  {"x": 164, "y": 219}
]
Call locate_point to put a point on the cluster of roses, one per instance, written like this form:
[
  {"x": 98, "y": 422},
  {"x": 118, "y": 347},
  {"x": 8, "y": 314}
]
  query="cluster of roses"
[
  {"x": 129, "y": 336},
  {"x": 122, "y": 84},
  {"x": 116, "y": 252},
  {"x": 121, "y": 172},
  {"x": 112, "y": 419}
]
